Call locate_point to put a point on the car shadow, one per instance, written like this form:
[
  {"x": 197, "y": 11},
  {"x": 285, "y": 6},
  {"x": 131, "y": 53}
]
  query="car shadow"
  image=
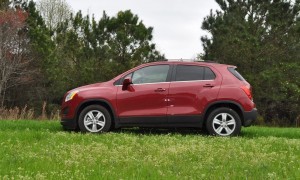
[{"x": 162, "y": 131}]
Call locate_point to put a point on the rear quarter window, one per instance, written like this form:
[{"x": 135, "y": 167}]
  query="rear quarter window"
[{"x": 236, "y": 73}]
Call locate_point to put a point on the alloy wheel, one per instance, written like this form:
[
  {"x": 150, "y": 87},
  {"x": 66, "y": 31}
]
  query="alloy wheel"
[
  {"x": 224, "y": 124},
  {"x": 94, "y": 121}
]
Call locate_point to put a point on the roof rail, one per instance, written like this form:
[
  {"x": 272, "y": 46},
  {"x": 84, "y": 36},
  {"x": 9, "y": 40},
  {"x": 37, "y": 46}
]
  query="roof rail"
[
  {"x": 206, "y": 61},
  {"x": 183, "y": 60}
]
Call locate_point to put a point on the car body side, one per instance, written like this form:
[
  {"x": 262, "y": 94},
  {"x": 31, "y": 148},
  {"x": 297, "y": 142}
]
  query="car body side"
[{"x": 181, "y": 105}]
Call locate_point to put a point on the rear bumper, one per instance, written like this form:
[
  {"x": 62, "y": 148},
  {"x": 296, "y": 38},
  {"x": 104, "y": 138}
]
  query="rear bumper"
[
  {"x": 69, "y": 124},
  {"x": 250, "y": 117}
]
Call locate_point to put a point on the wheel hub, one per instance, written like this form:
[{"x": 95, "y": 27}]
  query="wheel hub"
[
  {"x": 94, "y": 121},
  {"x": 224, "y": 124}
]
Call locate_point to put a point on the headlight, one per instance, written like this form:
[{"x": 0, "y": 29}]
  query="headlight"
[{"x": 70, "y": 95}]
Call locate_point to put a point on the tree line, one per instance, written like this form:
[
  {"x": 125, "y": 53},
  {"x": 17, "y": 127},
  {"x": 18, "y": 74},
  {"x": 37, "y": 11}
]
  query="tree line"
[{"x": 46, "y": 49}]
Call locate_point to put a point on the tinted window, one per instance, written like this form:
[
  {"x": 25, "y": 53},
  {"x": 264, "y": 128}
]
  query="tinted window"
[
  {"x": 209, "y": 74},
  {"x": 235, "y": 73},
  {"x": 189, "y": 73},
  {"x": 151, "y": 74}
]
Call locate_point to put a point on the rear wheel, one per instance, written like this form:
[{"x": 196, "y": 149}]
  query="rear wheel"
[
  {"x": 94, "y": 119},
  {"x": 223, "y": 122}
]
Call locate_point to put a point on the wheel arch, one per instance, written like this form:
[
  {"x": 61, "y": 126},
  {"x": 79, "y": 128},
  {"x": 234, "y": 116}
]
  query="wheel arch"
[
  {"x": 101, "y": 102},
  {"x": 229, "y": 104}
]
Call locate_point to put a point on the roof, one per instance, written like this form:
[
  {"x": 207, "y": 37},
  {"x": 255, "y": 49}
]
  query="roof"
[{"x": 213, "y": 63}]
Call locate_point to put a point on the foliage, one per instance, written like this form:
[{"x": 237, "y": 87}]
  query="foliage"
[
  {"x": 129, "y": 41},
  {"x": 14, "y": 56},
  {"x": 75, "y": 50},
  {"x": 97, "y": 51},
  {"x": 263, "y": 39},
  {"x": 4, "y": 4},
  {"x": 41, "y": 150},
  {"x": 54, "y": 12}
]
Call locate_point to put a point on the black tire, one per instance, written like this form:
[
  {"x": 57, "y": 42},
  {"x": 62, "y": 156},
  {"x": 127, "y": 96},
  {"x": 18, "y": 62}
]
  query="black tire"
[
  {"x": 230, "y": 122},
  {"x": 84, "y": 119}
]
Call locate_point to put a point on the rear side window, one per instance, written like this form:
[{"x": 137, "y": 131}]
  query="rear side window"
[
  {"x": 189, "y": 73},
  {"x": 209, "y": 74},
  {"x": 235, "y": 73}
]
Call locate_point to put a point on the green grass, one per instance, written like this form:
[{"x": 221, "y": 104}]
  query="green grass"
[{"x": 42, "y": 150}]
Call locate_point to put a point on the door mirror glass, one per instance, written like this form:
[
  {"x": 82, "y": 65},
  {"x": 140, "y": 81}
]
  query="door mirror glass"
[{"x": 126, "y": 83}]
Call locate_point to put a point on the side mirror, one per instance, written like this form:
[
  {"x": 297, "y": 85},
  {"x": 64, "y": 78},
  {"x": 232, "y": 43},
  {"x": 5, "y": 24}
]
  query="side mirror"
[{"x": 126, "y": 83}]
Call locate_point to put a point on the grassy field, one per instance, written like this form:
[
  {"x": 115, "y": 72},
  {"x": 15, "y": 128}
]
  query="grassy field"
[{"x": 41, "y": 150}]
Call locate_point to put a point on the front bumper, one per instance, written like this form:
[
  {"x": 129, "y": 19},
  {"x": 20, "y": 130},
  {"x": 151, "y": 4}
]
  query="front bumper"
[
  {"x": 250, "y": 117},
  {"x": 69, "y": 124}
]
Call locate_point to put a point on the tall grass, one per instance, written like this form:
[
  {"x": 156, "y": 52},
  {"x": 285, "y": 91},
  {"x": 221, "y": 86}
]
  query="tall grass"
[{"x": 17, "y": 113}]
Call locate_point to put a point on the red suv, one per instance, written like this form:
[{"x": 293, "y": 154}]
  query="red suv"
[{"x": 164, "y": 94}]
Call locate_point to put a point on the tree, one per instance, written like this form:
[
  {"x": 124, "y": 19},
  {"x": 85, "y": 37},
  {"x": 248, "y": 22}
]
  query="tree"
[
  {"x": 57, "y": 57},
  {"x": 14, "y": 58},
  {"x": 54, "y": 12},
  {"x": 42, "y": 49},
  {"x": 130, "y": 41},
  {"x": 263, "y": 39},
  {"x": 97, "y": 51},
  {"x": 4, "y": 4}
]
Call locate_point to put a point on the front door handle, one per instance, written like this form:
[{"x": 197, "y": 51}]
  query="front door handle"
[
  {"x": 159, "y": 90},
  {"x": 208, "y": 85}
]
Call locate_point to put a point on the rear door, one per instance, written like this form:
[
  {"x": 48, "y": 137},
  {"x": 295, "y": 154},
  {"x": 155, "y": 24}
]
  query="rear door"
[
  {"x": 145, "y": 101},
  {"x": 191, "y": 88}
]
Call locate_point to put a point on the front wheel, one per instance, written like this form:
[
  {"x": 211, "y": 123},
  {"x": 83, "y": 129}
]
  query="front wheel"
[
  {"x": 223, "y": 122},
  {"x": 94, "y": 119}
]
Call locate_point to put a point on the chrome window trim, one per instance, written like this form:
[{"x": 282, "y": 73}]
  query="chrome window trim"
[
  {"x": 194, "y": 81},
  {"x": 147, "y": 83},
  {"x": 169, "y": 82}
]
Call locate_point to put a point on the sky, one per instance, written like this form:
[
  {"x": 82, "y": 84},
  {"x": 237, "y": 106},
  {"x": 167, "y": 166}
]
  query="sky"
[{"x": 176, "y": 23}]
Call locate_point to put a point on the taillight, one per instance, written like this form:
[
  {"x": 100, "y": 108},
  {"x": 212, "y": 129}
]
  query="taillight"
[{"x": 248, "y": 91}]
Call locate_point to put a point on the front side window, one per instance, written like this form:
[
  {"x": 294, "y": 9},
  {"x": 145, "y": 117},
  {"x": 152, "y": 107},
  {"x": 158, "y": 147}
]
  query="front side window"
[
  {"x": 189, "y": 73},
  {"x": 151, "y": 74}
]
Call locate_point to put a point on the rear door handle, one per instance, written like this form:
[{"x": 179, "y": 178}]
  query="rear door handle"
[
  {"x": 160, "y": 90},
  {"x": 208, "y": 85}
]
